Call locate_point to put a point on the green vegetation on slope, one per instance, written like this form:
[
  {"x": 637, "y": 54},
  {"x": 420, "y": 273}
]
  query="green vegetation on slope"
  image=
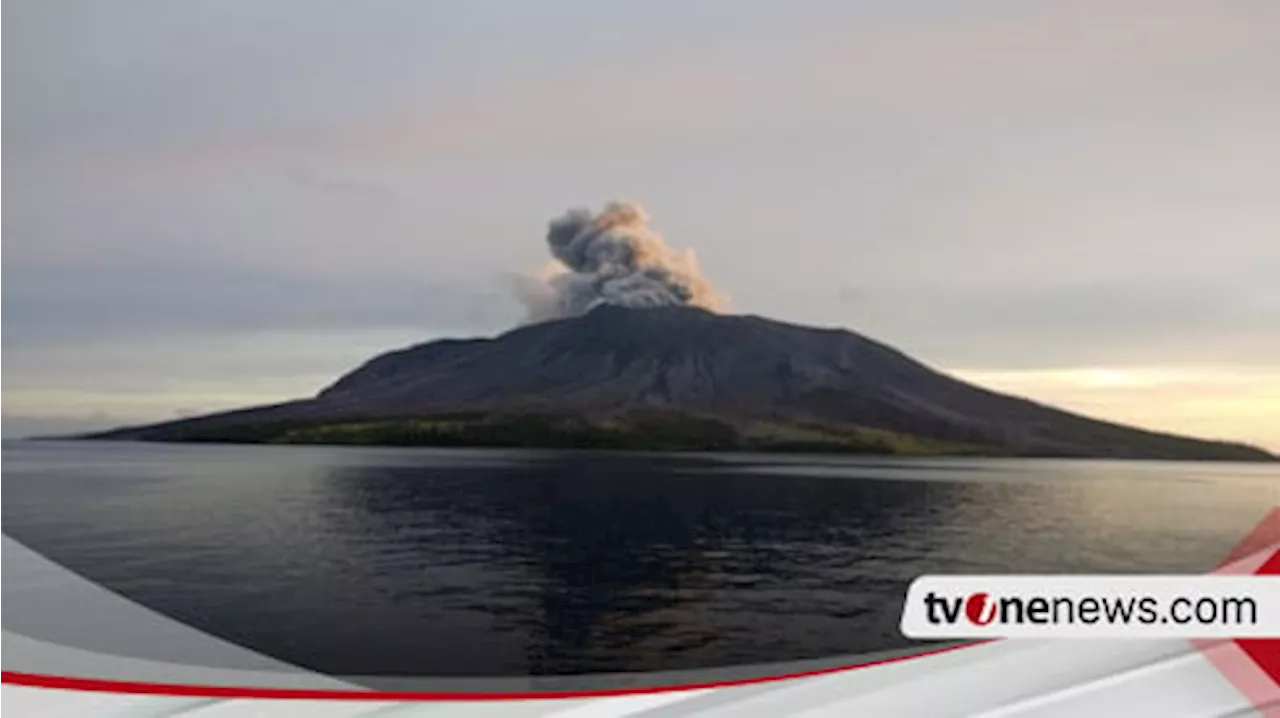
[
  {"x": 776, "y": 436},
  {"x": 648, "y": 431},
  {"x": 528, "y": 430}
]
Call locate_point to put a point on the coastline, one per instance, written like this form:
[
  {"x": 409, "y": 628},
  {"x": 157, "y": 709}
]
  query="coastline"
[{"x": 656, "y": 434}]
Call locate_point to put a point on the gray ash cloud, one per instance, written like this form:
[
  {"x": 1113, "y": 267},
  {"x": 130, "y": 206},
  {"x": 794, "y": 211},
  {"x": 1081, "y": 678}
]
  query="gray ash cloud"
[{"x": 613, "y": 257}]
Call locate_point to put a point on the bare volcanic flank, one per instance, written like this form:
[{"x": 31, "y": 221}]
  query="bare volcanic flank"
[{"x": 737, "y": 371}]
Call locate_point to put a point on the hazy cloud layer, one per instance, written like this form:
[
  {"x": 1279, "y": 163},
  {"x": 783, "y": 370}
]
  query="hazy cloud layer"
[{"x": 1011, "y": 186}]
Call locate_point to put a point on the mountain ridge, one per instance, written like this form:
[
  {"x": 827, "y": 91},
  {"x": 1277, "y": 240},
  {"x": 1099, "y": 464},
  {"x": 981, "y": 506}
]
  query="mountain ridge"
[{"x": 742, "y": 371}]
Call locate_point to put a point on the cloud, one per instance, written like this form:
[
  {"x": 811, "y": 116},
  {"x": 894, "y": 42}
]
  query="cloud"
[
  {"x": 613, "y": 257},
  {"x": 1018, "y": 326},
  {"x": 992, "y": 64},
  {"x": 1004, "y": 186},
  {"x": 22, "y": 426},
  {"x": 1236, "y": 402},
  {"x": 373, "y": 192},
  {"x": 131, "y": 302}
]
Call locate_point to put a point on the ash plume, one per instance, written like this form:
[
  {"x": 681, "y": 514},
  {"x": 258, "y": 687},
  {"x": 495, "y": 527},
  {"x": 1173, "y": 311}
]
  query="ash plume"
[{"x": 613, "y": 258}]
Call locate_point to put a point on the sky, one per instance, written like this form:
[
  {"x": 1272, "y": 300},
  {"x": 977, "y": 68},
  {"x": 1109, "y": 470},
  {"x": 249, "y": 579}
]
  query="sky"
[{"x": 230, "y": 202}]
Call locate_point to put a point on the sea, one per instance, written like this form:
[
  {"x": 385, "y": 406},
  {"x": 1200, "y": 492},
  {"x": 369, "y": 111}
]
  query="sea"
[{"x": 435, "y": 562}]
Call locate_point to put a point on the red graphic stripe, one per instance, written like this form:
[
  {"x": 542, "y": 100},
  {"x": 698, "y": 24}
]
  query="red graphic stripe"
[
  {"x": 36, "y": 680},
  {"x": 1265, "y": 651},
  {"x": 1264, "y": 535},
  {"x": 1254, "y": 666}
]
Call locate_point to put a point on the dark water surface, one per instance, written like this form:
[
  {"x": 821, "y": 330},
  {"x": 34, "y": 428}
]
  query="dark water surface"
[{"x": 458, "y": 562}]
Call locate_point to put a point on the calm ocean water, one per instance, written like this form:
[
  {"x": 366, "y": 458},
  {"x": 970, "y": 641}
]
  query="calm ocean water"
[{"x": 457, "y": 562}]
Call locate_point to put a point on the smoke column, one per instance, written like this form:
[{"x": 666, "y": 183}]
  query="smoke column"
[{"x": 613, "y": 258}]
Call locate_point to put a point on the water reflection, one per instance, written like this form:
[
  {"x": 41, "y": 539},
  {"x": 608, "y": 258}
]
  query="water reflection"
[
  {"x": 632, "y": 564},
  {"x": 432, "y": 563}
]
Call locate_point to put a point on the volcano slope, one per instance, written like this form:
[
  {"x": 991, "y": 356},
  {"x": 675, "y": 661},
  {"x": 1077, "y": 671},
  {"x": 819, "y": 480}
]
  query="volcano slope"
[{"x": 677, "y": 378}]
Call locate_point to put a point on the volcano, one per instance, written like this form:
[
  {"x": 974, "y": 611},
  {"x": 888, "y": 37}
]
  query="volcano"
[{"x": 677, "y": 378}]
